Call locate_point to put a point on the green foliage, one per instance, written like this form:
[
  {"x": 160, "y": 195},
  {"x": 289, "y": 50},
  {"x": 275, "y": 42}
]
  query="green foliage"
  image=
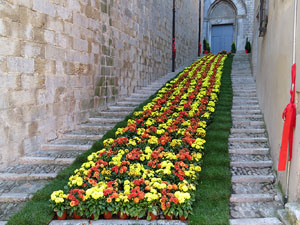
[
  {"x": 214, "y": 189},
  {"x": 233, "y": 47},
  {"x": 248, "y": 46},
  {"x": 206, "y": 46}
]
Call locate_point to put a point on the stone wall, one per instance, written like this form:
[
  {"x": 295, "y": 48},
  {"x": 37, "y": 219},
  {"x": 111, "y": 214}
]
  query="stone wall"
[
  {"x": 63, "y": 60},
  {"x": 272, "y": 60}
]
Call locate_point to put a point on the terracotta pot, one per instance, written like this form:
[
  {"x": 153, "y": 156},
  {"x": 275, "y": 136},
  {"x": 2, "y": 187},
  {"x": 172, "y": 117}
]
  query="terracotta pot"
[
  {"x": 123, "y": 216},
  {"x": 182, "y": 218},
  {"x": 246, "y": 51},
  {"x": 169, "y": 217},
  {"x": 92, "y": 217},
  {"x": 153, "y": 217},
  {"x": 107, "y": 215},
  {"x": 63, "y": 216},
  {"x": 76, "y": 216}
]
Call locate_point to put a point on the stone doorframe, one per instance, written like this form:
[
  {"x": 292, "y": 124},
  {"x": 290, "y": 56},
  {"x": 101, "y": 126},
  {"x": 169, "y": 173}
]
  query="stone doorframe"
[{"x": 239, "y": 8}]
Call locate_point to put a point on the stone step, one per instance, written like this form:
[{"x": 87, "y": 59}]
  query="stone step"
[
  {"x": 128, "y": 103},
  {"x": 119, "y": 108},
  {"x": 14, "y": 197},
  {"x": 251, "y": 197},
  {"x": 236, "y": 94},
  {"x": 65, "y": 147},
  {"x": 115, "y": 114},
  {"x": 245, "y": 106},
  {"x": 247, "y": 131},
  {"x": 257, "y": 164},
  {"x": 146, "y": 92},
  {"x": 96, "y": 126},
  {"x": 253, "y": 179},
  {"x": 135, "y": 99},
  {"x": 243, "y": 90},
  {"x": 117, "y": 222},
  {"x": 112, "y": 120},
  {"x": 283, "y": 217},
  {"x": 140, "y": 95},
  {"x": 27, "y": 176},
  {"x": 254, "y": 116},
  {"x": 250, "y": 123},
  {"x": 245, "y": 112},
  {"x": 3, "y": 222},
  {"x": 238, "y": 102},
  {"x": 247, "y": 140},
  {"x": 256, "y": 221},
  {"x": 242, "y": 98},
  {"x": 250, "y": 151},
  {"x": 82, "y": 136},
  {"x": 45, "y": 160}
]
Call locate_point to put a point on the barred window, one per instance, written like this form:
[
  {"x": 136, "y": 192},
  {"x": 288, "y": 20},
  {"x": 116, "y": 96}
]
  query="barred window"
[{"x": 263, "y": 17}]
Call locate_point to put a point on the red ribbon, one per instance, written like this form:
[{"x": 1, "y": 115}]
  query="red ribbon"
[
  {"x": 289, "y": 116},
  {"x": 200, "y": 46},
  {"x": 173, "y": 47}
]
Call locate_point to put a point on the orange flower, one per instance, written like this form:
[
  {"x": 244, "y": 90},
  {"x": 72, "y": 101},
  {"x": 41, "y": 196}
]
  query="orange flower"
[
  {"x": 147, "y": 188},
  {"x": 108, "y": 200},
  {"x": 170, "y": 187},
  {"x": 163, "y": 206},
  {"x": 174, "y": 187},
  {"x": 136, "y": 200}
]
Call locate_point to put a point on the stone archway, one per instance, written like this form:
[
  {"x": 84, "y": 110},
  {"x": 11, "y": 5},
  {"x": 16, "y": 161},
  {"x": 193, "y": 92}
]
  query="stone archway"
[{"x": 227, "y": 12}]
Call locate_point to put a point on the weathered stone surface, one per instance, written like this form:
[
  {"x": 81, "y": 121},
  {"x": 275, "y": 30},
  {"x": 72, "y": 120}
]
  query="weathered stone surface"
[
  {"x": 293, "y": 212},
  {"x": 62, "y": 61},
  {"x": 255, "y": 197}
]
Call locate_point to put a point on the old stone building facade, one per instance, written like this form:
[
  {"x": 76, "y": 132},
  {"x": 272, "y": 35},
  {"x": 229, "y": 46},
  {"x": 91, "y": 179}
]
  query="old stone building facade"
[
  {"x": 62, "y": 60},
  {"x": 272, "y": 61},
  {"x": 227, "y": 21}
]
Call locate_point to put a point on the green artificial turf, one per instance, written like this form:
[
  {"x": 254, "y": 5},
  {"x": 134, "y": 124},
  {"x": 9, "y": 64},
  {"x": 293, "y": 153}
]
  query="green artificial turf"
[{"x": 214, "y": 189}]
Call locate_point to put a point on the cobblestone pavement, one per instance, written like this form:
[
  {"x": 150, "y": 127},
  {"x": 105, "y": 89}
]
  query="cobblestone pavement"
[
  {"x": 255, "y": 196},
  {"x": 33, "y": 171}
]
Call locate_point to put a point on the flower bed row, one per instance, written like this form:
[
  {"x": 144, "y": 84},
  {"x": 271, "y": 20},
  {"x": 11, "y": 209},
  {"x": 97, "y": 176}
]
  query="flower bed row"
[{"x": 151, "y": 167}]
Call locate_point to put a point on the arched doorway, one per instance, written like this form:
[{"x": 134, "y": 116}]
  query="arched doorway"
[
  {"x": 223, "y": 26},
  {"x": 226, "y": 21}
]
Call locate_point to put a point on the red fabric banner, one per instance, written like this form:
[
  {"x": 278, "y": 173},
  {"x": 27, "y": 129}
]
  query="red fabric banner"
[
  {"x": 289, "y": 116},
  {"x": 173, "y": 48},
  {"x": 200, "y": 46}
]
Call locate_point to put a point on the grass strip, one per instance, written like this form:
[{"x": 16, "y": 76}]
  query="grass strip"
[
  {"x": 214, "y": 189},
  {"x": 37, "y": 211}
]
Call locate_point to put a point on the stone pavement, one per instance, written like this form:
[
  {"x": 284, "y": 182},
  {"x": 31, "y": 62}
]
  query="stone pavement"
[
  {"x": 255, "y": 197},
  {"x": 20, "y": 181}
]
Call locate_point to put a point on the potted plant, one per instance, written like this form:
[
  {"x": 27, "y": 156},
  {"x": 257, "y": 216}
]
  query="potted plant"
[
  {"x": 59, "y": 204},
  {"x": 233, "y": 47},
  {"x": 206, "y": 47},
  {"x": 247, "y": 46},
  {"x": 77, "y": 203}
]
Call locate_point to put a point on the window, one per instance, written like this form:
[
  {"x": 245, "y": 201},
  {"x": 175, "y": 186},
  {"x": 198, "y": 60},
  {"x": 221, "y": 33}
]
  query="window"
[{"x": 263, "y": 17}]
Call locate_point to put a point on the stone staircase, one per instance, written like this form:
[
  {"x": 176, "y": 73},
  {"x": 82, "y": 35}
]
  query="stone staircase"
[
  {"x": 255, "y": 198},
  {"x": 32, "y": 172}
]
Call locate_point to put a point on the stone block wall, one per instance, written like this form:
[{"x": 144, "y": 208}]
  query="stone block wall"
[{"x": 63, "y": 60}]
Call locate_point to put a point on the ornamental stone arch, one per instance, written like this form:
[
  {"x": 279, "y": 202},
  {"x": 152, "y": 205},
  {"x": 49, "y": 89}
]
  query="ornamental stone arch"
[{"x": 225, "y": 12}]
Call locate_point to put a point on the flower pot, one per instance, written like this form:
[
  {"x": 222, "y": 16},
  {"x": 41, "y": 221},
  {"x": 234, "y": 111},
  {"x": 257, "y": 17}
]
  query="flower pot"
[
  {"x": 107, "y": 215},
  {"x": 168, "y": 217},
  {"x": 63, "y": 216},
  {"x": 122, "y": 216},
  {"x": 76, "y": 216},
  {"x": 92, "y": 217},
  {"x": 182, "y": 218},
  {"x": 153, "y": 217},
  {"x": 246, "y": 51}
]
